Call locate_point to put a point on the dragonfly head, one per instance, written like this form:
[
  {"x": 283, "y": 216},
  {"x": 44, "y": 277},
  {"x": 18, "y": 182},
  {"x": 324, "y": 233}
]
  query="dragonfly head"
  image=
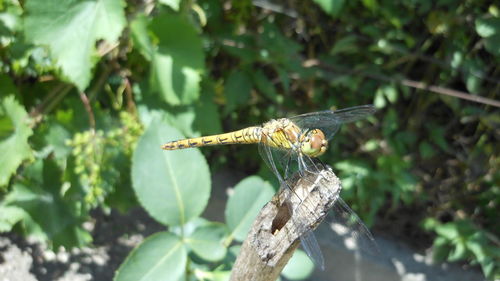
[{"x": 314, "y": 143}]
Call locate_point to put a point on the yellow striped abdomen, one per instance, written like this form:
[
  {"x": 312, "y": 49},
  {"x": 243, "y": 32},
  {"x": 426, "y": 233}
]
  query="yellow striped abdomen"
[{"x": 244, "y": 136}]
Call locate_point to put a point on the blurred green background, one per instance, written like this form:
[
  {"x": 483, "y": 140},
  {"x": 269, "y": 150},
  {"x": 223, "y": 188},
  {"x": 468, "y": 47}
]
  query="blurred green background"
[{"x": 90, "y": 89}]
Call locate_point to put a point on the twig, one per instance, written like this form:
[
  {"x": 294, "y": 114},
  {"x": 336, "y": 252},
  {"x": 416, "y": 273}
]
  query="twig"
[
  {"x": 449, "y": 92},
  {"x": 129, "y": 96},
  {"x": 49, "y": 102},
  {"x": 275, "y": 8},
  {"x": 38, "y": 110},
  {"x": 275, "y": 234},
  {"x": 411, "y": 83},
  {"x": 88, "y": 108},
  {"x": 97, "y": 86},
  {"x": 406, "y": 82}
]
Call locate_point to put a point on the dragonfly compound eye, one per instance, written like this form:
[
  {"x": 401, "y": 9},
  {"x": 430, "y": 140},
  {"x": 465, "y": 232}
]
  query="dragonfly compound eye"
[{"x": 314, "y": 144}]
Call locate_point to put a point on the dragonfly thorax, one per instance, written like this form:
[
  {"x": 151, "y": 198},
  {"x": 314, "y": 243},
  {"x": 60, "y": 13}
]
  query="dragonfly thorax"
[
  {"x": 284, "y": 134},
  {"x": 281, "y": 133}
]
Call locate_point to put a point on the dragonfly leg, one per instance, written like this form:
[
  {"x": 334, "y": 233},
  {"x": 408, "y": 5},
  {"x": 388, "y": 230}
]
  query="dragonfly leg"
[
  {"x": 288, "y": 170},
  {"x": 307, "y": 166},
  {"x": 302, "y": 165}
]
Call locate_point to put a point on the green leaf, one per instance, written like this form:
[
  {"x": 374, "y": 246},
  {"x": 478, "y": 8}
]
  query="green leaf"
[
  {"x": 331, "y": 7},
  {"x": 492, "y": 44},
  {"x": 437, "y": 135},
  {"x": 207, "y": 241},
  {"x": 246, "y": 55},
  {"x": 207, "y": 120},
  {"x": 264, "y": 85},
  {"x": 237, "y": 90},
  {"x": 299, "y": 267},
  {"x": 448, "y": 230},
  {"x": 235, "y": 250},
  {"x": 476, "y": 246},
  {"x": 348, "y": 44},
  {"x": 71, "y": 29},
  {"x": 354, "y": 167},
  {"x": 51, "y": 216},
  {"x": 457, "y": 59},
  {"x": 379, "y": 101},
  {"x": 14, "y": 147},
  {"x": 439, "y": 22},
  {"x": 426, "y": 150},
  {"x": 139, "y": 28},
  {"x": 174, "y": 4},
  {"x": 370, "y": 4},
  {"x": 459, "y": 252},
  {"x": 390, "y": 123},
  {"x": 486, "y": 27},
  {"x": 7, "y": 127},
  {"x": 391, "y": 93},
  {"x": 56, "y": 138},
  {"x": 10, "y": 21},
  {"x": 9, "y": 216},
  {"x": 201, "y": 118},
  {"x": 220, "y": 275},
  {"x": 173, "y": 186},
  {"x": 249, "y": 197},
  {"x": 489, "y": 29},
  {"x": 386, "y": 91},
  {"x": 161, "y": 256},
  {"x": 189, "y": 228},
  {"x": 488, "y": 266},
  {"x": 183, "y": 118},
  {"x": 429, "y": 224},
  {"x": 441, "y": 249},
  {"x": 177, "y": 60},
  {"x": 371, "y": 145},
  {"x": 276, "y": 48},
  {"x": 472, "y": 77},
  {"x": 284, "y": 77}
]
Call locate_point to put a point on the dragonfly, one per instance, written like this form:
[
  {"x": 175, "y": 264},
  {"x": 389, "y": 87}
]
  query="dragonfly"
[{"x": 293, "y": 145}]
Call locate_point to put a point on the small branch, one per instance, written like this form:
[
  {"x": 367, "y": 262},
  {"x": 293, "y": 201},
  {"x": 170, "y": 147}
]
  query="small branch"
[
  {"x": 275, "y": 234},
  {"x": 406, "y": 82},
  {"x": 97, "y": 86},
  {"x": 88, "y": 108},
  {"x": 49, "y": 102},
  {"x": 39, "y": 109},
  {"x": 450, "y": 92},
  {"x": 412, "y": 84},
  {"x": 129, "y": 96},
  {"x": 267, "y": 5}
]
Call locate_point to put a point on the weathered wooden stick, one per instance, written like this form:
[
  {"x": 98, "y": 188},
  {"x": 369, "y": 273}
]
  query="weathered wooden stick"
[{"x": 275, "y": 233}]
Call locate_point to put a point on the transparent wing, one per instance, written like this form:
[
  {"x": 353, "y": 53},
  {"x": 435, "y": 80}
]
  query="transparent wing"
[
  {"x": 310, "y": 245},
  {"x": 279, "y": 161},
  {"x": 329, "y": 121},
  {"x": 309, "y": 165},
  {"x": 284, "y": 163},
  {"x": 307, "y": 239},
  {"x": 346, "y": 224}
]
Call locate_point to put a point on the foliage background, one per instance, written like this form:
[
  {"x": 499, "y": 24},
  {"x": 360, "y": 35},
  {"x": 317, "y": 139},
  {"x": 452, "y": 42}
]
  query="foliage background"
[{"x": 89, "y": 89}]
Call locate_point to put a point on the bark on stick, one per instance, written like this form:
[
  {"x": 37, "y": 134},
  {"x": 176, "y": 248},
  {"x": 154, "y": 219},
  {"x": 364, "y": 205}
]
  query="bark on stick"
[{"x": 276, "y": 231}]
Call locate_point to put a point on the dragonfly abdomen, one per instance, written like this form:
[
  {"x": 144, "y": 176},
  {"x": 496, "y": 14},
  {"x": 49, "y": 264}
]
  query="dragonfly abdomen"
[{"x": 244, "y": 136}]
